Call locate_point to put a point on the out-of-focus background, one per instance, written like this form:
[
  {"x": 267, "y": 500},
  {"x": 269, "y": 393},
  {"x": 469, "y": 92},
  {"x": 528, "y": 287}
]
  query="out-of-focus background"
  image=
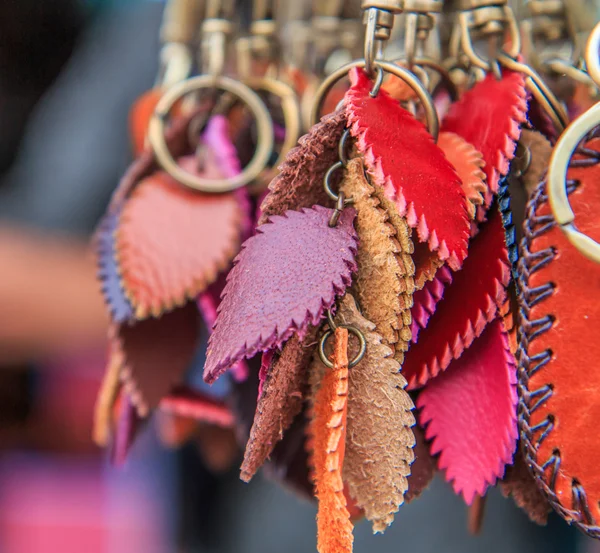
[{"x": 69, "y": 71}]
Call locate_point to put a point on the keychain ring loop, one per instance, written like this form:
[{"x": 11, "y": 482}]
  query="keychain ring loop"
[
  {"x": 439, "y": 69},
  {"x": 156, "y": 133},
  {"x": 557, "y": 177},
  {"x": 289, "y": 106},
  {"x": 592, "y": 59},
  {"x": 409, "y": 78},
  {"x": 361, "y": 351}
]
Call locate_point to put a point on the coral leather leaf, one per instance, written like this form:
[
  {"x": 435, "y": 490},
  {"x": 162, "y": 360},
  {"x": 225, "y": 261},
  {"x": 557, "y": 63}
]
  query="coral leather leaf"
[
  {"x": 469, "y": 164},
  {"x": 283, "y": 280},
  {"x": 469, "y": 303},
  {"x": 518, "y": 483},
  {"x": 172, "y": 242},
  {"x": 328, "y": 434},
  {"x": 382, "y": 284},
  {"x": 108, "y": 270},
  {"x": 282, "y": 397},
  {"x": 126, "y": 428},
  {"x": 299, "y": 183},
  {"x": 379, "y": 439},
  {"x": 469, "y": 412},
  {"x": 403, "y": 158},
  {"x": 489, "y": 117},
  {"x": 156, "y": 354},
  {"x": 426, "y": 300},
  {"x": 197, "y": 406}
]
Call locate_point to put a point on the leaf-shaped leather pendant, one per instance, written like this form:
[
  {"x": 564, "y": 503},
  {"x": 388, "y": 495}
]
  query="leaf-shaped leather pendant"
[
  {"x": 403, "y": 159},
  {"x": 468, "y": 304},
  {"x": 379, "y": 439},
  {"x": 469, "y": 412},
  {"x": 140, "y": 115},
  {"x": 108, "y": 269},
  {"x": 328, "y": 435},
  {"x": 172, "y": 242},
  {"x": 383, "y": 283},
  {"x": 197, "y": 406},
  {"x": 559, "y": 350},
  {"x": 299, "y": 183},
  {"x": 280, "y": 400},
  {"x": 126, "y": 428},
  {"x": 489, "y": 116},
  {"x": 156, "y": 354},
  {"x": 282, "y": 282}
]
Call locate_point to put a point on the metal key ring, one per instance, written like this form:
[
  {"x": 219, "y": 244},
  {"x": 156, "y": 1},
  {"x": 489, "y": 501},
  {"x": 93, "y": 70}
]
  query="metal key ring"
[
  {"x": 442, "y": 71},
  {"x": 409, "y": 78},
  {"x": 362, "y": 349},
  {"x": 156, "y": 133},
  {"x": 290, "y": 107},
  {"x": 557, "y": 178}
]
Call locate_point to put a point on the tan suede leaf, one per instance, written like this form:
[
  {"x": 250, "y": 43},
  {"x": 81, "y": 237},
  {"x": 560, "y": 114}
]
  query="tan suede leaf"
[
  {"x": 381, "y": 282},
  {"x": 402, "y": 237},
  {"x": 281, "y": 400},
  {"x": 379, "y": 440},
  {"x": 541, "y": 150}
]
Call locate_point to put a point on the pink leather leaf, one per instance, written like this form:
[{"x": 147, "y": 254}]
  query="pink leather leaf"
[
  {"x": 489, "y": 116},
  {"x": 469, "y": 303},
  {"x": 126, "y": 429},
  {"x": 282, "y": 282},
  {"x": 470, "y": 414},
  {"x": 194, "y": 404},
  {"x": 156, "y": 354},
  {"x": 425, "y": 300},
  {"x": 403, "y": 158}
]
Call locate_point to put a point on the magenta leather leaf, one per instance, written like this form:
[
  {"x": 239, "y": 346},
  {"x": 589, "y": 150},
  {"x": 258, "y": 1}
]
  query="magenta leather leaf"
[
  {"x": 402, "y": 158},
  {"x": 282, "y": 282},
  {"x": 470, "y": 414},
  {"x": 468, "y": 304},
  {"x": 425, "y": 300},
  {"x": 489, "y": 117},
  {"x": 126, "y": 430}
]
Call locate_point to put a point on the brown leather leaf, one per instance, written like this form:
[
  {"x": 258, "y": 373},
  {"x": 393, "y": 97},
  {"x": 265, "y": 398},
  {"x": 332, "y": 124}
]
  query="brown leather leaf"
[
  {"x": 519, "y": 484},
  {"x": 299, "y": 183},
  {"x": 541, "y": 150},
  {"x": 328, "y": 432},
  {"x": 382, "y": 283},
  {"x": 281, "y": 400},
  {"x": 423, "y": 467},
  {"x": 379, "y": 442},
  {"x": 156, "y": 354}
]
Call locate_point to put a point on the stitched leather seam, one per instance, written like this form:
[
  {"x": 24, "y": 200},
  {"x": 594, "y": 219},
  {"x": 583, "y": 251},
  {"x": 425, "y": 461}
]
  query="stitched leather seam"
[{"x": 544, "y": 472}]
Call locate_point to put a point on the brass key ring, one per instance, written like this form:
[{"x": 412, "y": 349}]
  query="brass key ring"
[
  {"x": 409, "y": 78},
  {"x": 559, "y": 162},
  {"x": 264, "y": 124}
]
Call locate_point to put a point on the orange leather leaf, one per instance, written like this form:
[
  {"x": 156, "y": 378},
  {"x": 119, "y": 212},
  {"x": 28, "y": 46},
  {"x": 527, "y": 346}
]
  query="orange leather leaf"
[
  {"x": 139, "y": 117},
  {"x": 328, "y": 428}
]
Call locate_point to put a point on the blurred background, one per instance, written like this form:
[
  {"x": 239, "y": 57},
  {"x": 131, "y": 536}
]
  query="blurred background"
[{"x": 69, "y": 72}]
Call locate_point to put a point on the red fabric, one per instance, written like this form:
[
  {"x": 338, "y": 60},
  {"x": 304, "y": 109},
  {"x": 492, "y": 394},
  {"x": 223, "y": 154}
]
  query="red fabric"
[
  {"x": 470, "y": 414},
  {"x": 468, "y": 304},
  {"x": 489, "y": 117},
  {"x": 403, "y": 158}
]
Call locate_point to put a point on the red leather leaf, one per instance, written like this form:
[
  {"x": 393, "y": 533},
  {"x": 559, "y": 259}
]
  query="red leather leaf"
[
  {"x": 196, "y": 405},
  {"x": 489, "y": 117},
  {"x": 402, "y": 157},
  {"x": 139, "y": 117},
  {"x": 469, "y": 303},
  {"x": 156, "y": 354},
  {"x": 172, "y": 242},
  {"x": 282, "y": 282},
  {"x": 425, "y": 300},
  {"x": 470, "y": 414}
]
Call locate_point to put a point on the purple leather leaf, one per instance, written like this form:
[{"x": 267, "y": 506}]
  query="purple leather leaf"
[
  {"x": 108, "y": 270},
  {"x": 282, "y": 282},
  {"x": 126, "y": 430}
]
